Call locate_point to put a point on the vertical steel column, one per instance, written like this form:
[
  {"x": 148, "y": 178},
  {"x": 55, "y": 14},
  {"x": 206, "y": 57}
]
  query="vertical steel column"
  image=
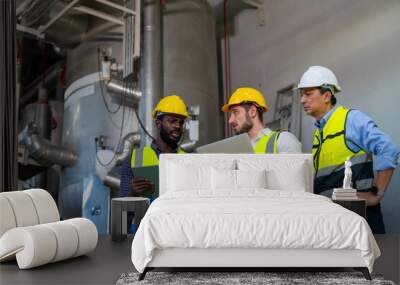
[
  {"x": 151, "y": 79},
  {"x": 8, "y": 98}
]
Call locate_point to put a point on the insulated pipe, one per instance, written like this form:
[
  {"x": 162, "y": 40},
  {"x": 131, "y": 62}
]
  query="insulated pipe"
[
  {"x": 46, "y": 153},
  {"x": 112, "y": 181},
  {"x": 189, "y": 146},
  {"x": 43, "y": 114},
  {"x": 129, "y": 141},
  {"x": 123, "y": 94},
  {"x": 43, "y": 151},
  {"x": 152, "y": 65}
]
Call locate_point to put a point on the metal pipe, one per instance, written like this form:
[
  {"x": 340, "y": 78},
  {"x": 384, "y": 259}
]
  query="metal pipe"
[
  {"x": 99, "y": 14},
  {"x": 59, "y": 15},
  {"x": 128, "y": 142},
  {"x": 136, "y": 45},
  {"x": 46, "y": 153},
  {"x": 122, "y": 94},
  {"x": 152, "y": 64},
  {"x": 43, "y": 151},
  {"x": 112, "y": 180},
  {"x": 116, "y": 6},
  {"x": 189, "y": 146},
  {"x": 43, "y": 114}
]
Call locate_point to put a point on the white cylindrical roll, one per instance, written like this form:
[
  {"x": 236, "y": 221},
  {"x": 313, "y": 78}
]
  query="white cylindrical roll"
[
  {"x": 67, "y": 239},
  {"x": 23, "y": 207},
  {"x": 45, "y": 206},
  {"x": 87, "y": 234},
  {"x": 10, "y": 244},
  {"x": 7, "y": 218},
  {"x": 40, "y": 247},
  {"x": 34, "y": 246}
]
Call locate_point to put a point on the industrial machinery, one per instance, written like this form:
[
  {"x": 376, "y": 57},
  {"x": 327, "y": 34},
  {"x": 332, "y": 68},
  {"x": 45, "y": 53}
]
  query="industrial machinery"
[{"x": 113, "y": 61}]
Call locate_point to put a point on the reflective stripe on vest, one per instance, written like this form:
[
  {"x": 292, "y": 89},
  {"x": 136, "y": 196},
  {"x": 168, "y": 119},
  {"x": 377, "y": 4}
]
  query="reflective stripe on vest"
[
  {"x": 330, "y": 151},
  {"x": 145, "y": 157},
  {"x": 268, "y": 143}
]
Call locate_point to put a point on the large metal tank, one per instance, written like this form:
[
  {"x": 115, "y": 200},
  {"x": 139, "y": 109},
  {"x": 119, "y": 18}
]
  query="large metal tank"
[
  {"x": 86, "y": 119},
  {"x": 190, "y": 62},
  {"x": 190, "y": 71}
]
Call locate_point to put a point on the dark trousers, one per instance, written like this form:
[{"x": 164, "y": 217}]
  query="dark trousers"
[{"x": 375, "y": 219}]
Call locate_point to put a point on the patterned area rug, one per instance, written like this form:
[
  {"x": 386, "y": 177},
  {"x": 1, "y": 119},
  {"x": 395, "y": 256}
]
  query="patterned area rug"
[{"x": 225, "y": 278}]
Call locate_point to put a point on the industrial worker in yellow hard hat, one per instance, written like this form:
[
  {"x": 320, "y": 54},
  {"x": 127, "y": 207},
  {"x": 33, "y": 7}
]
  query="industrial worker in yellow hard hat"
[
  {"x": 169, "y": 115},
  {"x": 246, "y": 107},
  {"x": 343, "y": 134}
]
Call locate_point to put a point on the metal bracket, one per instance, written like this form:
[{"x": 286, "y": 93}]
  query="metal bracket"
[
  {"x": 58, "y": 16},
  {"x": 258, "y": 4},
  {"x": 31, "y": 31},
  {"x": 99, "y": 14}
]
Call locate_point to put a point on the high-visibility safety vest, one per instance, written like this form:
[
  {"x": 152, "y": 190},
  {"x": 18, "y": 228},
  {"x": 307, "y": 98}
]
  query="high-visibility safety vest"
[
  {"x": 330, "y": 151},
  {"x": 268, "y": 143},
  {"x": 145, "y": 157}
]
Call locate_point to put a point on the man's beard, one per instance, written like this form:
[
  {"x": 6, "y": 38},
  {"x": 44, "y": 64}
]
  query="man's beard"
[
  {"x": 247, "y": 126},
  {"x": 172, "y": 143}
]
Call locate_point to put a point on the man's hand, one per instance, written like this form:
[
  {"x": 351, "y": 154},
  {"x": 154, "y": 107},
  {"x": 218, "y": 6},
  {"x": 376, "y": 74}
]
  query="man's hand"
[
  {"x": 370, "y": 197},
  {"x": 139, "y": 185}
]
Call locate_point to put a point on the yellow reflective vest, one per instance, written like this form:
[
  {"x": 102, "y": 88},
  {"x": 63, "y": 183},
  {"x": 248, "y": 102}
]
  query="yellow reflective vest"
[
  {"x": 145, "y": 157},
  {"x": 330, "y": 151},
  {"x": 268, "y": 143}
]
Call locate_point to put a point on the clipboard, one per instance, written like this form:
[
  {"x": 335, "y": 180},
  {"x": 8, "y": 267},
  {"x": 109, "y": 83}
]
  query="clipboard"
[{"x": 150, "y": 173}]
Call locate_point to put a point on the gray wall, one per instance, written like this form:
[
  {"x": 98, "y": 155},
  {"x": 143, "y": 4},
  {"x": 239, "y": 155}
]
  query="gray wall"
[{"x": 358, "y": 39}]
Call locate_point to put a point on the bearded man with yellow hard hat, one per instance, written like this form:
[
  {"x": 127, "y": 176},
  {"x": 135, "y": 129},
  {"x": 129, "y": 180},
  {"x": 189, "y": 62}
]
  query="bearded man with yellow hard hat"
[
  {"x": 246, "y": 107},
  {"x": 169, "y": 115}
]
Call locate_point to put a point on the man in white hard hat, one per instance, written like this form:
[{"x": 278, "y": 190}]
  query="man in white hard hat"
[{"x": 346, "y": 133}]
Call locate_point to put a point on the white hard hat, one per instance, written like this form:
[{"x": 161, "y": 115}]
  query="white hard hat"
[{"x": 319, "y": 76}]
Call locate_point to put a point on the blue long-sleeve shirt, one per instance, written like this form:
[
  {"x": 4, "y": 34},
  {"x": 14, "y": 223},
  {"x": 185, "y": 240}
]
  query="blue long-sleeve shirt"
[
  {"x": 363, "y": 133},
  {"x": 127, "y": 173}
]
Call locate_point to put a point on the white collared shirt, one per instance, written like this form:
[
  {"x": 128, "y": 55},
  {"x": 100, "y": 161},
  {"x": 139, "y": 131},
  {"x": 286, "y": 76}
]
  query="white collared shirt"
[{"x": 287, "y": 142}]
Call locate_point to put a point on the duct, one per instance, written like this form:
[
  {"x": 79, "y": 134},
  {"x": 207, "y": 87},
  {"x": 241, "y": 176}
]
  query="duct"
[
  {"x": 122, "y": 94},
  {"x": 189, "y": 146},
  {"x": 43, "y": 114},
  {"x": 152, "y": 64},
  {"x": 128, "y": 142},
  {"x": 112, "y": 180},
  {"x": 43, "y": 151}
]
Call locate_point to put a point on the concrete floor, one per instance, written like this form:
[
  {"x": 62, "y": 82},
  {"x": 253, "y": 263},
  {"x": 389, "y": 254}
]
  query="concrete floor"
[{"x": 106, "y": 264}]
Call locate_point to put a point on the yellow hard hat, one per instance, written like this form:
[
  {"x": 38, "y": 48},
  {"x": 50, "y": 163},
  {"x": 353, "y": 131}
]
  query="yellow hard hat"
[
  {"x": 172, "y": 104},
  {"x": 246, "y": 95}
]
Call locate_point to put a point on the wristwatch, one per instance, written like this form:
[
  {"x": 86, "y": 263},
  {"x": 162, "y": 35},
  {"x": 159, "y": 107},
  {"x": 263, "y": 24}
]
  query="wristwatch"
[{"x": 380, "y": 194}]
